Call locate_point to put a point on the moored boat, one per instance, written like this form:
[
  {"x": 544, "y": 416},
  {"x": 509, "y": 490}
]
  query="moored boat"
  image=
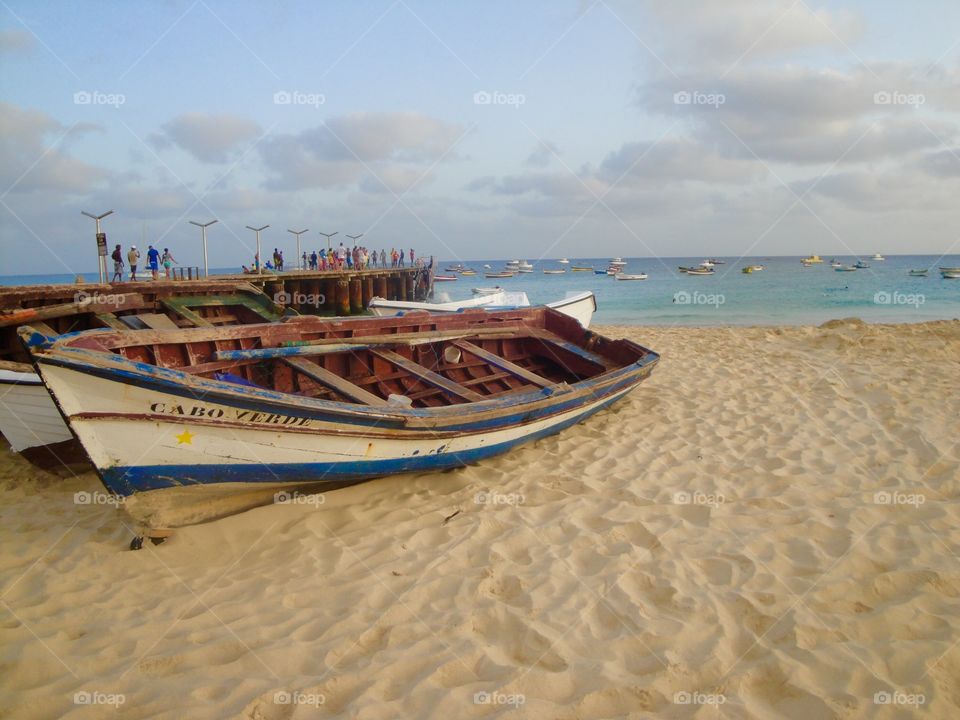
[
  {"x": 918, "y": 273},
  {"x": 491, "y": 275},
  {"x": 700, "y": 271},
  {"x": 878, "y": 257},
  {"x": 812, "y": 260},
  {"x": 582, "y": 268},
  {"x": 311, "y": 403},
  {"x": 860, "y": 265},
  {"x": 950, "y": 273},
  {"x": 554, "y": 272},
  {"x": 444, "y": 278},
  {"x": 846, "y": 268},
  {"x": 580, "y": 305},
  {"x": 626, "y": 276},
  {"x": 563, "y": 261}
]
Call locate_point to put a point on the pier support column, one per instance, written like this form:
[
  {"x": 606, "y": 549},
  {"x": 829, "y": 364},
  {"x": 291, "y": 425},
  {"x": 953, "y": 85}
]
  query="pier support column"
[
  {"x": 380, "y": 287},
  {"x": 356, "y": 296},
  {"x": 409, "y": 285},
  {"x": 367, "y": 291},
  {"x": 343, "y": 297},
  {"x": 329, "y": 296}
]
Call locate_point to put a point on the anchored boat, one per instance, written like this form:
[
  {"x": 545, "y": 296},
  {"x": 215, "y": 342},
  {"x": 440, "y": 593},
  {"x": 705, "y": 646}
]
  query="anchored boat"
[
  {"x": 169, "y": 416},
  {"x": 580, "y": 305}
]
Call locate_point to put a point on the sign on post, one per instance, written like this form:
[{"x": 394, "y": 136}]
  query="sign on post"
[{"x": 102, "y": 244}]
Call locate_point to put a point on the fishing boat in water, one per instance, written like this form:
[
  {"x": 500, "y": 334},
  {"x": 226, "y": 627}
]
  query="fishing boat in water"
[
  {"x": 700, "y": 271},
  {"x": 445, "y": 278},
  {"x": 627, "y": 276},
  {"x": 563, "y": 261},
  {"x": 950, "y": 273},
  {"x": 582, "y": 268},
  {"x": 554, "y": 272},
  {"x": 860, "y": 265},
  {"x": 174, "y": 420},
  {"x": 918, "y": 273},
  {"x": 846, "y": 268},
  {"x": 493, "y": 275}
]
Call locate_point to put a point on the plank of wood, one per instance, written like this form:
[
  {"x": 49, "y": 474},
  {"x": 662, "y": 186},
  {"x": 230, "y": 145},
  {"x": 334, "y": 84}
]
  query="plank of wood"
[
  {"x": 110, "y": 320},
  {"x": 429, "y": 376},
  {"x": 157, "y": 321},
  {"x": 503, "y": 364},
  {"x": 334, "y": 382}
]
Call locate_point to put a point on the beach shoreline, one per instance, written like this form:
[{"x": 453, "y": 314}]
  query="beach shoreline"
[{"x": 769, "y": 524}]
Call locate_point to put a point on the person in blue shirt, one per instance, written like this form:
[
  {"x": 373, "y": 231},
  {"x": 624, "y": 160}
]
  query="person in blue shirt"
[{"x": 153, "y": 260}]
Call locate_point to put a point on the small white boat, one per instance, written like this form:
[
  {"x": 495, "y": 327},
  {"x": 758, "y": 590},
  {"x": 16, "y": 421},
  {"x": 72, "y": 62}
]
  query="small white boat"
[
  {"x": 618, "y": 262},
  {"x": 836, "y": 264},
  {"x": 846, "y": 268},
  {"x": 580, "y": 306},
  {"x": 524, "y": 266},
  {"x": 486, "y": 266},
  {"x": 554, "y": 272},
  {"x": 486, "y": 290},
  {"x": 563, "y": 261},
  {"x": 917, "y": 273},
  {"x": 700, "y": 271},
  {"x": 950, "y": 273},
  {"x": 878, "y": 257},
  {"x": 444, "y": 278},
  {"x": 706, "y": 264},
  {"x": 625, "y": 276},
  {"x": 383, "y": 308}
]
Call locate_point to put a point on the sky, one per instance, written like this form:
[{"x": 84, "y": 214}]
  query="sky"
[{"x": 540, "y": 129}]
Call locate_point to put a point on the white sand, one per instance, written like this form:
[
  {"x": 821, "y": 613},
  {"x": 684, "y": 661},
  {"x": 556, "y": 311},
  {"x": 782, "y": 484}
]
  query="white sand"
[{"x": 783, "y": 588}]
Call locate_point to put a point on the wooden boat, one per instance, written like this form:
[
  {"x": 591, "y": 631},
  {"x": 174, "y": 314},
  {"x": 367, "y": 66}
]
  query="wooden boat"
[
  {"x": 444, "y": 278},
  {"x": 582, "y": 268},
  {"x": 468, "y": 273},
  {"x": 493, "y": 275},
  {"x": 846, "y": 268},
  {"x": 626, "y": 276},
  {"x": 580, "y": 306},
  {"x": 747, "y": 270},
  {"x": 309, "y": 403},
  {"x": 29, "y": 419},
  {"x": 486, "y": 290},
  {"x": 563, "y": 261},
  {"x": 950, "y": 273},
  {"x": 878, "y": 257},
  {"x": 554, "y": 272},
  {"x": 700, "y": 271},
  {"x": 918, "y": 273},
  {"x": 600, "y": 272},
  {"x": 454, "y": 268},
  {"x": 812, "y": 260},
  {"x": 860, "y": 265}
]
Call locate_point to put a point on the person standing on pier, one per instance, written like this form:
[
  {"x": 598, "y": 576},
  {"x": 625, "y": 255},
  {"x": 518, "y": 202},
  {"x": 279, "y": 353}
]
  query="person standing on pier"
[
  {"x": 133, "y": 256},
  {"x": 383, "y": 259},
  {"x": 401, "y": 257},
  {"x": 168, "y": 262},
  {"x": 153, "y": 260},
  {"x": 411, "y": 257},
  {"x": 117, "y": 265}
]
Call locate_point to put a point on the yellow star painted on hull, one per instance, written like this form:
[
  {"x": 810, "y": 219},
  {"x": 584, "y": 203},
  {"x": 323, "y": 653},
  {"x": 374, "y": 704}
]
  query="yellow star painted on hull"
[{"x": 185, "y": 438}]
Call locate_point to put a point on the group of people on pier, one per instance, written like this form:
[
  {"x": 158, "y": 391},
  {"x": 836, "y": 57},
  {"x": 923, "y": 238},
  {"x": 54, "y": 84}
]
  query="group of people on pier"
[
  {"x": 356, "y": 258},
  {"x": 154, "y": 261}
]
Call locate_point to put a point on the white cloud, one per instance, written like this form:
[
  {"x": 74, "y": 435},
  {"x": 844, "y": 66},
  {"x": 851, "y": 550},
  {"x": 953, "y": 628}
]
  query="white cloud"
[{"x": 210, "y": 138}]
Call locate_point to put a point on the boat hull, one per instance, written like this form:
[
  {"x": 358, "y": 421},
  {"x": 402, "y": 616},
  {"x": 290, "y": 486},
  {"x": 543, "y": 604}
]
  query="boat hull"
[
  {"x": 143, "y": 436},
  {"x": 28, "y": 416}
]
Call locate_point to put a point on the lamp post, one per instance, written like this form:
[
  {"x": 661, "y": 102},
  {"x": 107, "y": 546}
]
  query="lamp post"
[
  {"x": 258, "y": 231},
  {"x": 328, "y": 236},
  {"x": 203, "y": 234},
  {"x": 355, "y": 237},
  {"x": 101, "y": 243},
  {"x": 298, "y": 233}
]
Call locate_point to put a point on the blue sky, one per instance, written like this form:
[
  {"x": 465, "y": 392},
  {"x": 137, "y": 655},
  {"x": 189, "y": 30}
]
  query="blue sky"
[{"x": 584, "y": 150}]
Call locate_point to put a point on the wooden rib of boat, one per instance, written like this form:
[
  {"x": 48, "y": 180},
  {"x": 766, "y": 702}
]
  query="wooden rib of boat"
[
  {"x": 312, "y": 402},
  {"x": 30, "y": 421}
]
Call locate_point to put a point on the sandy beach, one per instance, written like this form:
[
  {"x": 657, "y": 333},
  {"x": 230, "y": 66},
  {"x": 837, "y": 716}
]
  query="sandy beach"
[{"x": 768, "y": 527}]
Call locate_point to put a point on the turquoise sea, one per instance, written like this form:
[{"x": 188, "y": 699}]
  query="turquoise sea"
[{"x": 784, "y": 293}]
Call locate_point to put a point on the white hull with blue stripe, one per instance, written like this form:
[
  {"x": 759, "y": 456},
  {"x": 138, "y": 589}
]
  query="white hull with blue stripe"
[{"x": 149, "y": 428}]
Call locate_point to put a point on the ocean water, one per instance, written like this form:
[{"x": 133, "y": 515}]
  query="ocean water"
[{"x": 784, "y": 293}]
